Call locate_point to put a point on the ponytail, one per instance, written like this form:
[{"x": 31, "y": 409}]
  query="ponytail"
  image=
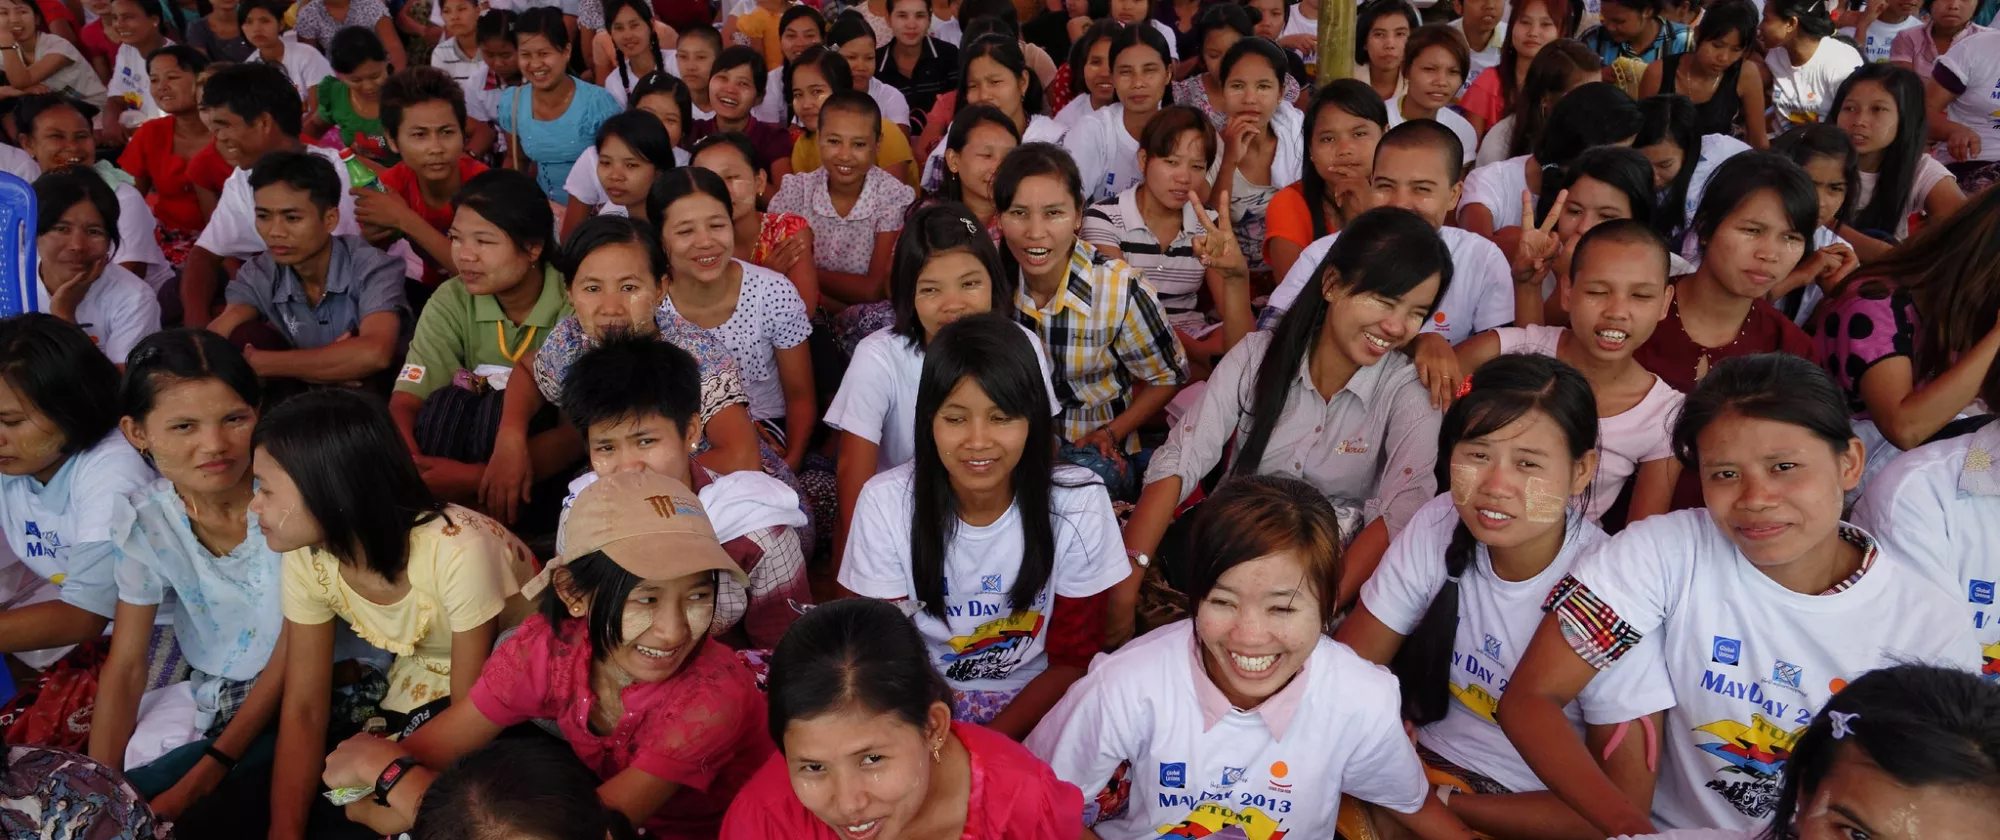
[{"x": 1423, "y": 664}]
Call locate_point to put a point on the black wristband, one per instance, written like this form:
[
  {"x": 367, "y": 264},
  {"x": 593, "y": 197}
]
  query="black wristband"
[
  {"x": 390, "y": 776},
  {"x": 220, "y": 757}
]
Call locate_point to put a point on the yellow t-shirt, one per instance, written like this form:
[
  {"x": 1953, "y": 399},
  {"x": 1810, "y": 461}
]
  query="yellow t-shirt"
[
  {"x": 760, "y": 25},
  {"x": 895, "y": 149},
  {"x": 464, "y": 570}
]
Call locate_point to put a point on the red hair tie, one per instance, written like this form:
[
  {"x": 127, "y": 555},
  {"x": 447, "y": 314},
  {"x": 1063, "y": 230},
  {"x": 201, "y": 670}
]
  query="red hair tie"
[{"x": 1464, "y": 388}]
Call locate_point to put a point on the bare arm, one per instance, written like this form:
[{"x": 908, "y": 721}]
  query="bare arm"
[
  {"x": 509, "y": 471},
  {"x": 1476, "y": 218},
  {"x": 392, "y": 41},
  {"x": 25, "y": 75},
  {"x": 48, "y": 624},
  {"x": 574, "y": 213},
  {"x": 1907, "y": 413},
  {"x": 1358, "y": 562},
  {"x": 1368, "y": 636},
  {"x": 853, "y": 288},
  {"x": 120, "y": 684},
  {"x": 1649, "y": 83},
  {"x": 198, "y": 276},
  {"x": 469, "y": 650},
  {"x": 302, "y": 721},
  {"x": 233, "y": 316},
  {"x": 1750, "y": 88},
  {"x": 732, "y": 442},
  {"x": 1034, "y": 701},
  {"x": 1477, "y": 350},
  {"x": 1143, "y": 530},
  {"x": 1549, "y": 676},
  {"x": 365, "y": 354},
  {"x": 637, "y": 794},
  {"x": 795, "y": 374},
  {"x": 251, "y": 720}
]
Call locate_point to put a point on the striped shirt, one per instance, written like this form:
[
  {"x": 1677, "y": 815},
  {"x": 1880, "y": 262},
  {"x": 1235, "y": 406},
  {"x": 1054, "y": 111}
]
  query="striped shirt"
[
  {"x": 1105, "y": 331},
  {"x": 1174, "y": 272},
  {"x": 935, "y": 72}
]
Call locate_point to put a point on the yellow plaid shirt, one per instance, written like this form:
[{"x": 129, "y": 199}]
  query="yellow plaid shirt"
[{"x": 1104, "y": 331}]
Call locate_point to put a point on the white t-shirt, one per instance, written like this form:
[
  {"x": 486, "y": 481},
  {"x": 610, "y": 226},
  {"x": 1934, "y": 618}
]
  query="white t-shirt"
[
  {"x": 18, "y": 163},
  {"x": 470, "y": 73},
  {"x": 1632, "y": 437},
  {"x": 1190, "y": 779},
  {"x": 76, "y": 78},
  {"x": 877, "y": 400},
  {"x": 1497, "y": 618},
  {"x": 1107, "y": 156},
  {"x": 769, "y": 316},
  {"x": 118, "y": 311},
  {"x": 895, "y": 106},
  {"x": 1498, "y": 186},
  {"x": 1715, "y": 148},
  {"x": 1072, "y": 114},
  {"x": 1975, "y": 60},
  {"x": 1880, "y": 35},
  {"x": 1929, "y": 173},
  {"x": 1803, "y": 94},
  {"x": 131, "y": 78},
  {"x": 1173, "y": 40},
  {"x": 232, "y": 228},
  {"x": 303, "y": 64},
  {"x": 136, "y": 242},
  {"x": 986, "y": 643},
  {"x": 44, "y": 522},
  {"x": 1482, "y": 59},
  {"x": 1480, "y": 298},
  {"x": 1945, "y": 520},
  {"x": 1752, "y": 662},
  {"x": 1468, "y": 137},
  {"x": 1499, "y": 140},
  {"x": 620, "y": 83}
]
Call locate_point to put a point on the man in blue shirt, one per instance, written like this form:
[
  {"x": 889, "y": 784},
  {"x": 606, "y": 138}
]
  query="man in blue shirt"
[{"x": 1634, "y": 29}]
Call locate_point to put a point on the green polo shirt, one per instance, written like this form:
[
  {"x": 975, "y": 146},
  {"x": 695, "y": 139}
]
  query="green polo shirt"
[{"x": 461, "y": 331}]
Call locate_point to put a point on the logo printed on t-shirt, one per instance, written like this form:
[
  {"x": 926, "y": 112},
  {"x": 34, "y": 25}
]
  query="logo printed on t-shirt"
[
  {"x": 1231, "y": 776},
  {"x": 1787, "y": 674},
  {"x": 1980, "y": 592},
  {"x": 989, "y": 583},
  {"x": 1754, "y": 759},
  {"x": 1173, "y": 774},
  {"x": 1727, "y": 650},
  {"x": 1491, "y": 648}
]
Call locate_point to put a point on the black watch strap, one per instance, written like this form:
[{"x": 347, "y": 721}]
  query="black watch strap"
[{"x": 390, "y": 776}]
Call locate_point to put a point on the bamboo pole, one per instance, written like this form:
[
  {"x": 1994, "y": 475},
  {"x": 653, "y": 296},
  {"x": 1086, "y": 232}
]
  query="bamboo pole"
[{"x": 1336, "y": 40}]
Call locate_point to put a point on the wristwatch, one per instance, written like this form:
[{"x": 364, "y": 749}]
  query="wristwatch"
[
  {"x": 1139, "y": 558},
  {"x": 390, "y": 776}
]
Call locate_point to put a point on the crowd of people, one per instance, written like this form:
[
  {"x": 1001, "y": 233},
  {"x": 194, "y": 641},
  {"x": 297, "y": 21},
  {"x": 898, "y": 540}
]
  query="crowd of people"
[{"x": 927, "y": 419}]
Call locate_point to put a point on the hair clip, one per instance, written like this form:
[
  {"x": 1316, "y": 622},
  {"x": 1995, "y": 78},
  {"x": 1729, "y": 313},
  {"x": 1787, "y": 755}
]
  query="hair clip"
[
  {"x": 1463, "y": 389},
  {"x": 970, "y": 228},
  {"x": 1843, "y": 723}
]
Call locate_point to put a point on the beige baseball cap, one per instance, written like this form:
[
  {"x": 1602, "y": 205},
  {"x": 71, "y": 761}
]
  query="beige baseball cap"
[{"x": 648, "y": 523}]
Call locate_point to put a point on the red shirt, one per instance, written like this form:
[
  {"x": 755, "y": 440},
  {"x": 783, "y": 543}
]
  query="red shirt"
[
  {"x": 1678, "y": 361},
  {"x": 208, "y": 170},
  {"x": 702, "y": 729},
  {"x": 401, "y": 181},
  {"x": 1014, "y": 797},
  {"x": 95, "y": 43},
  {"x": 150, "y": 153}
]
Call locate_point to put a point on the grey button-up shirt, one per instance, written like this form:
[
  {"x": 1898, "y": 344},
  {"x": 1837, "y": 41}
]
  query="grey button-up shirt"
[{"x": 360, "y": 281}]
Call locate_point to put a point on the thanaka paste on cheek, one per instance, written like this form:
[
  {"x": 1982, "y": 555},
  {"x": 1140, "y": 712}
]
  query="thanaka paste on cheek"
[
  {"x": 1464, "y": 479},
  {"x": 637, "y": 621},
  {"x": 1543, "y": 505}
]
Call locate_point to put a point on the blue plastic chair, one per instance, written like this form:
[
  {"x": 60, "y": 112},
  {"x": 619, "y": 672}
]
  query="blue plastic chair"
[{"x": 19, "y": 291}]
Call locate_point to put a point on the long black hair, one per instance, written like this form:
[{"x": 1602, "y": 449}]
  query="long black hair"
[
  {"x": 353, "y": 472},
  {"x": 1596, "y": 114},
  {"x": 642, "y": 133},
  {"x": 1671, "y": 118},
  {"x": 993, "y": 351},
  {"x": 1548, "y": 77},
  {"x": 1618, "y": 167},
  {"x": 1355, "y": 98},
  {"x": 645, "y": 12},
  {"x": 1921, "y": 725},
  {"x": 935, "y": 229},
  {"x": 963, "y": 121},
  {"x": 1504, "y": 390},
  {"x": 1898, "y": 174},
  {"x": 1815, "y": 17},
  {"x": 1744, "y": 175},
  {"x": 832, "y": 68},
  {"x": 1385, "y": 251},
  {"x": 1079, "y": 53},
  {"x": 52, "y": 364},
  {"x": 857, "y": 651}
]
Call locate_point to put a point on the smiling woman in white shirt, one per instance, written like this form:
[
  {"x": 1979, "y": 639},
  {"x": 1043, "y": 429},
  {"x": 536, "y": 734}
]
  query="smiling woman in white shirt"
[
  {"x": 1766, "y": 605},
  {"x": 1458, "y": 596},
  {"x": 1322, "y": 398},
  {"x": 1004, "y": 551},
  {"x": 1247, "y": 714},
  {"x": 76, "y": 236}
]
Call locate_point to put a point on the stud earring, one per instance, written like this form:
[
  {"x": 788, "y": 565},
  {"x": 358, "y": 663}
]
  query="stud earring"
[{"x": 937, "y": 752}]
